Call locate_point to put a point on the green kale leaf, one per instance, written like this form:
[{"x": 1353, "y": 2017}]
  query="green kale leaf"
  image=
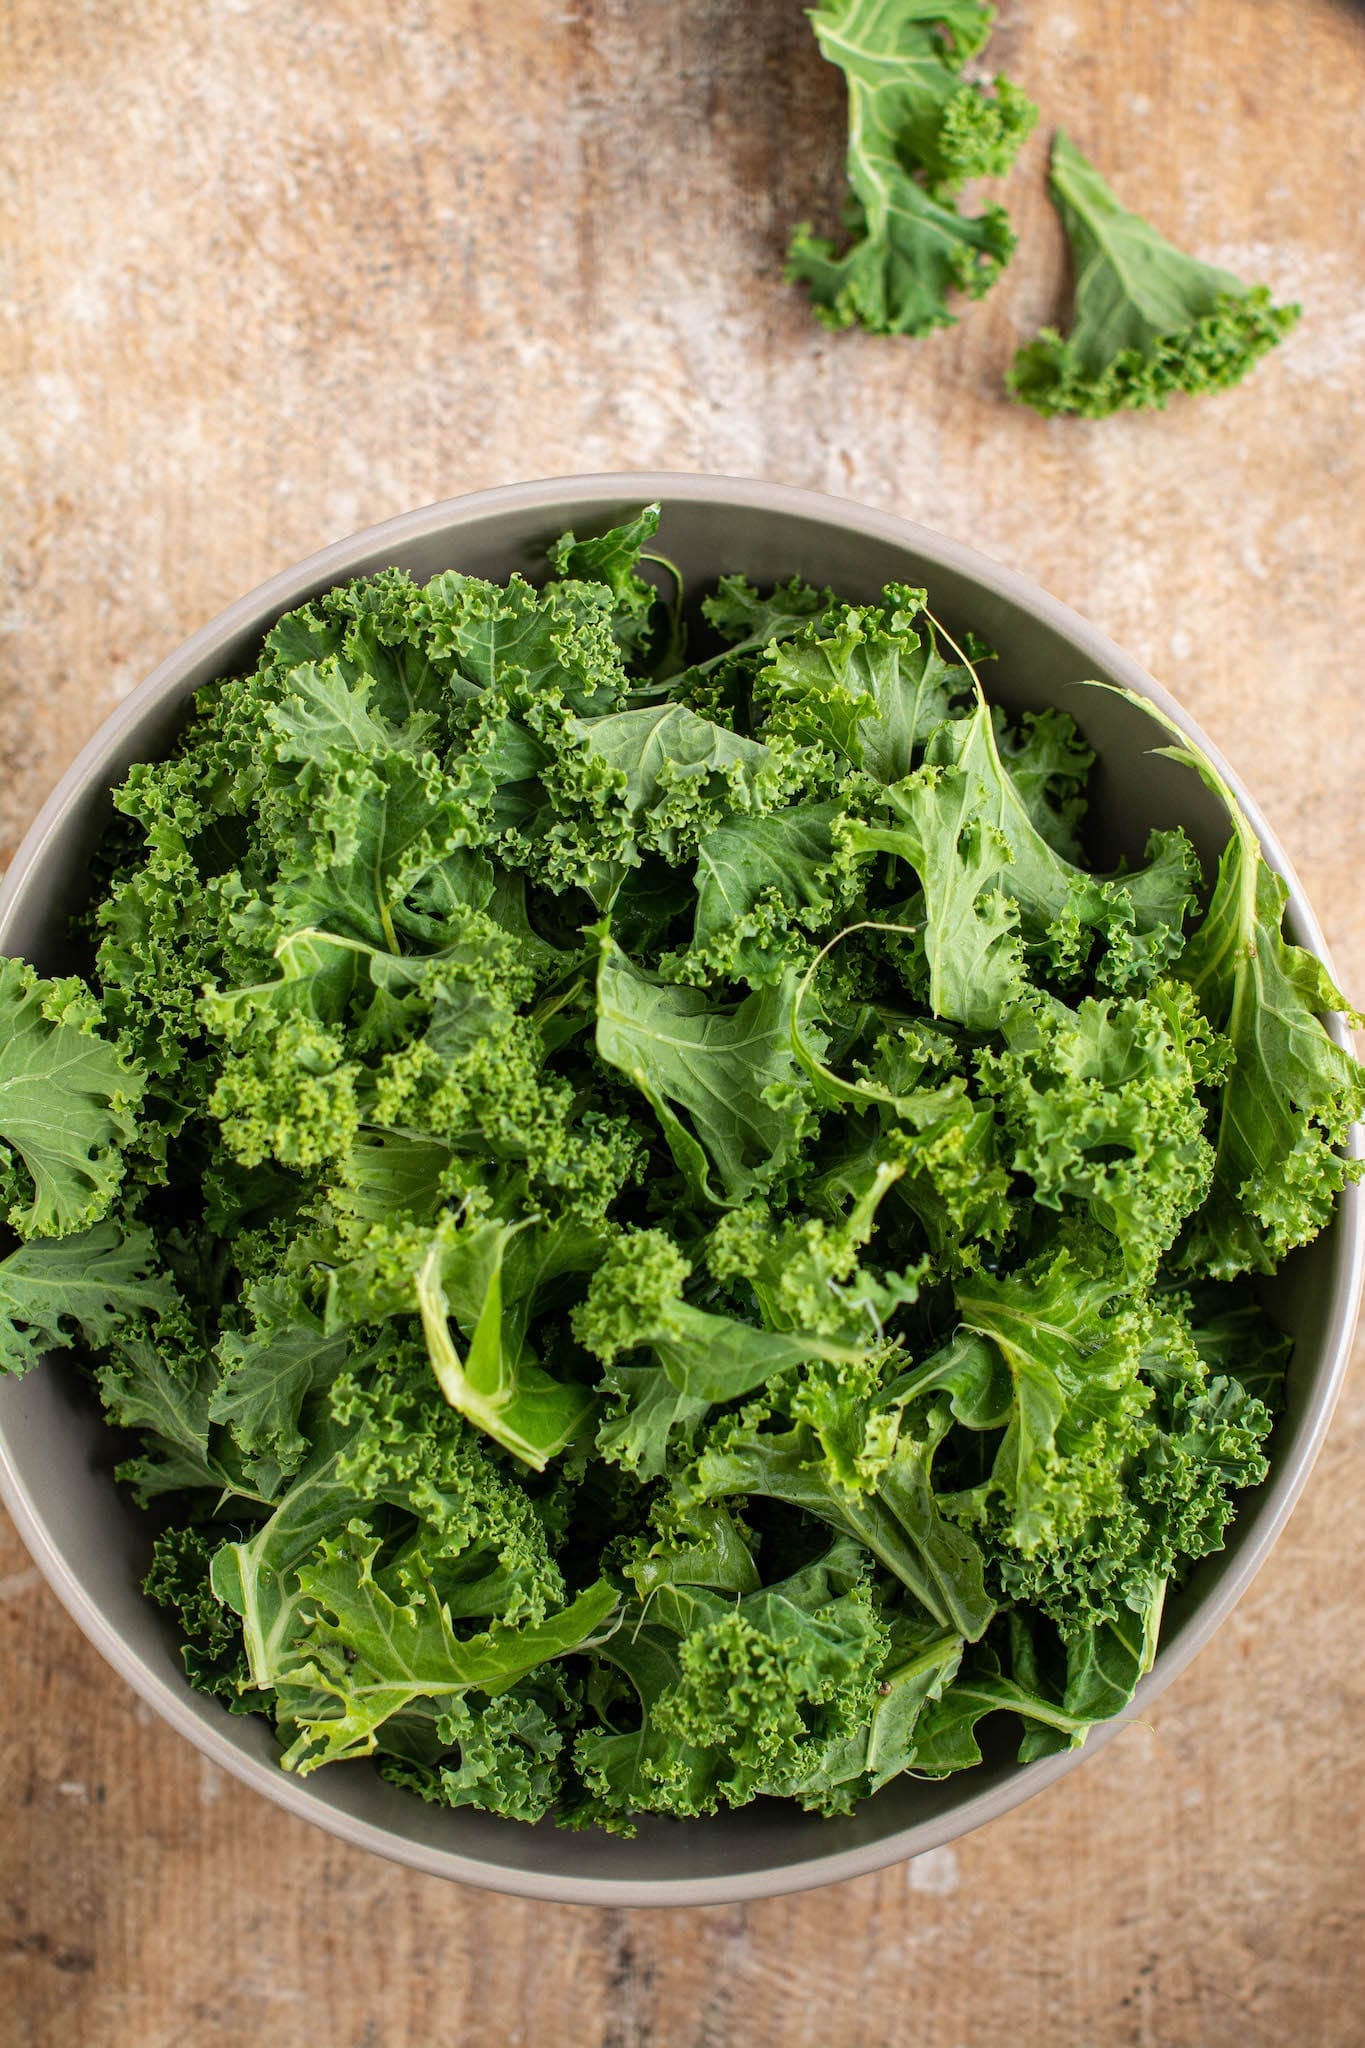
[
  {"x": 91, "y": 1287},
  {"x": 1150, "y": 322},
  {"x": 733, "y": 1698},
  {"x": 1292, "y": 1093},
  {"x": 721, "y": 1079},
  {"x": 68, "y": 1106},
  {"x": 916, "y": 133}
]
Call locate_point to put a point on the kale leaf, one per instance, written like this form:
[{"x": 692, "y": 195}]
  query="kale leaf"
[
  {"x": 1150, "y": 321},
  {"x": 916, "y": 132}
]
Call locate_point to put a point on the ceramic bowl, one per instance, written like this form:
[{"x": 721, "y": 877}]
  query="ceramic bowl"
[{"x": 55, "y": 1453}]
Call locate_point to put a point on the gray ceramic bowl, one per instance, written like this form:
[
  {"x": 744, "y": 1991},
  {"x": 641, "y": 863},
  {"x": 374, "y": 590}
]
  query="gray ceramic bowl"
[{"x": 54, "y": 1452}]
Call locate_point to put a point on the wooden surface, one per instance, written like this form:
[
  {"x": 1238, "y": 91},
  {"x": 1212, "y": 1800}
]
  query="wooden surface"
[{"x": 279, "y": 268}]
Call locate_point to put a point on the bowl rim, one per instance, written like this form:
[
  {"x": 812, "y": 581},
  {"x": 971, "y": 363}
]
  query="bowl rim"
[{"x": 1274, "y": 1501}]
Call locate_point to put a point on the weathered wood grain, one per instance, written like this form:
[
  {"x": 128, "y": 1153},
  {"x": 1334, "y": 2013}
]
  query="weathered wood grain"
[{"x": 277, "y": 268}]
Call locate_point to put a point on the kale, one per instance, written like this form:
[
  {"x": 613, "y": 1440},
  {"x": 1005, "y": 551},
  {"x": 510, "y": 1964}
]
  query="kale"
[
  {"x": 664, "y": 1236},
  {"x": 916, "y": 132},
  {"x": 1150, "y": 321}
]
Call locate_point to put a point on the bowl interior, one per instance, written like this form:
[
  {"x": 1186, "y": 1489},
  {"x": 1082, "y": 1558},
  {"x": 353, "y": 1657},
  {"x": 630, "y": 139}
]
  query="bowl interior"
[{"x": 57, "y": 1454}]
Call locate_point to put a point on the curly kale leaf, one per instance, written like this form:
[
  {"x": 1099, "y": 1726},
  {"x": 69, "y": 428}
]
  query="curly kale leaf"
[
  {"x": 182, "y": 1559},
  {"x": 971, "y": 926},
  {"x": 609, "y": 557},
  {"x": 475, "y": 1286},
  {"x": 497, "y": 1383},
  {"x": 163, "y": 1391},
  {"x": 811, "y": 1278},
  {"x": 764, "y": 886},
  {"x": 270, "y": 1367},
  {"x": 454, "y": 1062},
  {"x": 661, "y": 777},
  {"x": 1120, "y": 1454},
  {"x": 916, "y": 132},
  {"x": 1104, "y": 1106},
  {"x": 898, "y": 1518},
  {"x": 1049, "y": 764},
  {"x": 1070, "y": 1403},
  {"x": 1179, "y": 1480},
  {"x": 1098, "y": 1678},
  {"x": 377, "y": 1442},
  {"x": 579, "y": 801},
  {"x": 365, "y": 812},
  {"x": 287, "y": 1092},
  {"x": 1150, "y": 322},
  {"x": 1292, "y": 1094},
  {"x": 68, "y": 1105},
  {"x": 373, "y": 1645},
  {"x": 375, "y": 629},
  {"x": 999, "y": 897},
  {"x": 751, "y": 623},
  {"x": 721, "y": 1079},
  {"x": 939, "y": 1143},
  {"x": 55, "y": 1292},
  {"x": 870, "y": 685},
  {"x": 501, "y": 1753},
  {"x": 355, "y": 1594},
  {"x": 728, "y": 1698},
  {"x": 648, "y": 1418},
  {"x": 635, "y": 1300},
  {"x": 496, "y": 634},
  {"x": 613, "y": 559}
]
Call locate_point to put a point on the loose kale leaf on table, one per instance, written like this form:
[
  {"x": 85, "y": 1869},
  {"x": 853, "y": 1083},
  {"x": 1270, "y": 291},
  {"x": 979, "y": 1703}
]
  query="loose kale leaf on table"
[
  {"x": 916, "y": 132},
  {"x": 1149, "y": 322}
]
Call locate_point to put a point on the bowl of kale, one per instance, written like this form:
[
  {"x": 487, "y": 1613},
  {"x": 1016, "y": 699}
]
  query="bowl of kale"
[{"x": 678, "y": 1189}]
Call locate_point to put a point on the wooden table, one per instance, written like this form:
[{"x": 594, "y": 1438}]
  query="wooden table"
[{"x": 279, "y": 268}]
